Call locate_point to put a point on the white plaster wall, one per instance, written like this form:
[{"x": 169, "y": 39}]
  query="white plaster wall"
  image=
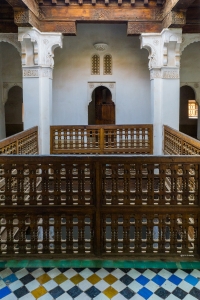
[{"x": 72, "y": 72}]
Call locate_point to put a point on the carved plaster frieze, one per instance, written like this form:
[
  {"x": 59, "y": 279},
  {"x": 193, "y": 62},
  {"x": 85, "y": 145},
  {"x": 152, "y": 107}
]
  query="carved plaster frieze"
[
  {"x": 158, "y": 45},
  {"x": 11, "y": 38},
  {"x": 195, "y": 86},
  {"x": 93, "y": 85},
  {"x": 100, "y": 46},
  {"x": 189, "y": 38},
  {"x": 41, "y": 49},
  {"x": 6, "y": 87},
  {"x": 36, "y": 73},
  {"x": 165, "y": 73}
]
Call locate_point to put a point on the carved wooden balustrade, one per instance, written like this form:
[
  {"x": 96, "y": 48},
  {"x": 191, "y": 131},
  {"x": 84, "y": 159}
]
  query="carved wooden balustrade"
[
  {"x": 54, "y": 206},
  {"x": 25, "y": 142},
  {"x": 102, "y": 139},
  {"x": 178, "y": 143}
]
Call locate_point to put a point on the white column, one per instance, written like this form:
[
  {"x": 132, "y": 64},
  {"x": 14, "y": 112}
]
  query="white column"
[
  {"x": 2, "y": 110},
  {"x": 164, "y": 64},
  {"x": 37, "y": 63}
]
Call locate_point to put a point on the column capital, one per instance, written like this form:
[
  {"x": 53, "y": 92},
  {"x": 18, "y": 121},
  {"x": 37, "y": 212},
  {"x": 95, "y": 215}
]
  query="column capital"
[
  {"x": 163, "y": 48},
  {"x": 38, "y": 47}
]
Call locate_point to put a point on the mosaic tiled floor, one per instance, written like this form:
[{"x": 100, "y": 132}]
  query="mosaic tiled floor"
[{"x": 62, "y": 283}]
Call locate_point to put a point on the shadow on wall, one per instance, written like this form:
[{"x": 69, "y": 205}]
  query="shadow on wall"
[
  {"x": 187, "y": 125},
  {"x": 13, "y": 111}
]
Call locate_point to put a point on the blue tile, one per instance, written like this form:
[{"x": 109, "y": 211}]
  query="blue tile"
[
  {"x": 145, "y": 293},
  {"x": 192, "y": 280},
  {"x": 126, "y": 279},
  {"x": 92, "y": 292},
  {"x": 158, "y": 279},
  {"x": 127, "y": 293},
  {"x": 4, "y": 292},
  {"x": 175, "y": 279},
  {"x": 74, "y": 292},
  {"x": 11, "y": 278},
  {"x": 142, "y": 280},
  {"x": 56, "y": 292}
]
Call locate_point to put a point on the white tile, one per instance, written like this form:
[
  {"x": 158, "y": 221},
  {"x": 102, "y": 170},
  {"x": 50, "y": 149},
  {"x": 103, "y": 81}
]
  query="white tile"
[
  {"x": 135, "y": 286},
  {"x": 5, "y": 273},
  {"x": 32, "y": 285},
  {"x": 2, "y": 284},
  {"x": 189, "y": 297},
  {"x": 53, "y": 273},
  {"x": 181, "y": 274},
  {"x": 169, "y": 286},
  {"x": 47, "y": 296},
  {"x": 102, "y": 273},
  {"x": 38, "y": 272},
  {"x": 102, "y": 285},
  {"x": 84, "y": 285},
  {"x": 119, "y": 297},
  {"x": 15, "y": 285},
  {"x": 172, "y": 297},
  {"x": 82, "y": 296},
  {"x": 185, "y": 286},
  {"x": 28, "y": 297},
  {"x": 118, "y": 273},
  {"x": 101, "y": 297},
  {"x": 149, "y": 274},
  {"x": 86, "y": 273},
  {"x": 51, "y": 284},
  {"x": 70, "y": 273},
  {"x": 152, "y": 286},
  {"x": 118, "y": 285},
  {"x": 67, "y": 285},
  {"x": 165, "y": 274},
  {"x": 64, "y": 297},
  {"x": 10, "y": 297},
  {"x": 154, "y": 297},
  {"x": 198, "y": 285},
  {"x": 134, "y": 274},
  {"x": 137, "y": 297},
  {"x": 195, "y": 273},
  {"x": 21, "y": 273}
]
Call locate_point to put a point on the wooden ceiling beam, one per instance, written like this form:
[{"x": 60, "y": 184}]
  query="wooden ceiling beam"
[
  {"x": 174, "y": 20},
  {"x": 25, "y": 4},
  {"x": 136, "y": 28}
]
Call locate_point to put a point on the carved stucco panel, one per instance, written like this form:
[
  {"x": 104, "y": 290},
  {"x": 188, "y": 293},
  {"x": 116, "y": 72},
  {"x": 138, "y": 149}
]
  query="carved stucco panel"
[
  {"x": 189, "y": 38},
  {"x": 11, "y": 38}
]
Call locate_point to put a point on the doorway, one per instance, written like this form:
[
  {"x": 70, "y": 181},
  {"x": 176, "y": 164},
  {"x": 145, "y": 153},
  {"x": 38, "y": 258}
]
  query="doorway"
[{"x": 101, "y": 110}]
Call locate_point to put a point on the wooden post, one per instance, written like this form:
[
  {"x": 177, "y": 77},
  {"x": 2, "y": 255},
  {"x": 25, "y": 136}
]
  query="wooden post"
[
  {"x": 101, "y": 140},
  {"x": 97, "y": 222}
]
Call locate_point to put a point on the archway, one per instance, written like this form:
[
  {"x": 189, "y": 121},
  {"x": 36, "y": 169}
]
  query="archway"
[
  {"x": 13, "y": 111},
  {"x": 101, "y": 109},
  {"x": 187, "y": 124}
]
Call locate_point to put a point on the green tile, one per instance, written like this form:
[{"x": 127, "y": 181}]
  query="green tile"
[
  {"x": 3, "y": 264},
  {"x": 17, "y": 263}
]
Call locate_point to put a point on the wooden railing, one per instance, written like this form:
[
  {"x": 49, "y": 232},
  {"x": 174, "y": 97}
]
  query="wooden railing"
[
  {"x": 101, "y": 139},
  {"x": 99, "y": 205},
  {"x": 178, "y": 143},
  {"x": 25, "y": 142}
]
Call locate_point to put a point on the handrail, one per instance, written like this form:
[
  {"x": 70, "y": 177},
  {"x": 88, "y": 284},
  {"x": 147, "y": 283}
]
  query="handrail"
[
  {"x": 101, "y": 139},
  {"x": 178, "y": 143},
  {"x": 25, "y": 142}
]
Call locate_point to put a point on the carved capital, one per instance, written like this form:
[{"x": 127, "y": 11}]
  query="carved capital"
[
  {"x": 40, "y": 51},
  {"x": 11, "y": 38}
]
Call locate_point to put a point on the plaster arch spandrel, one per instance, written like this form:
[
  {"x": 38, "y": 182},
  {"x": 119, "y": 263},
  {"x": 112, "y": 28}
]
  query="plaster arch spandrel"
[
  {"x": 6, "y": 87},
  {"x": 11, "y": 38},
  {"x": 196, "y": 88},
  {"x": 93, "y": 85},
  {"x": 189, "y": 38}
]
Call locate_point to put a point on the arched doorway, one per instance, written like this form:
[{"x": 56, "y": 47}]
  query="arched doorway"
[
  {"x": 101, "y": 109},
  {"x": 187, "y": 123},
  {"x": 13, "y": 111}
]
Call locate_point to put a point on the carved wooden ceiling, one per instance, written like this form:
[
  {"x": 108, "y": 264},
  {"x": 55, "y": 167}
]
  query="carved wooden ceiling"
[{"x": 63, "y": 15}]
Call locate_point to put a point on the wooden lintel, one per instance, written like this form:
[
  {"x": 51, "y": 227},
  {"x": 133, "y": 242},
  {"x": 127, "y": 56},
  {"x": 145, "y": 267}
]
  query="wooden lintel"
[
  {"x": 176, "y": 5},
  {"x": 67, "y": 28},
  {"x": 8, "y": 27},
  {"x": 31, "y": 5},
  {"x": 174, "y": 19},
  {"x": 25, "y": 18},
  {"x": 136, "y": 28},
  {"x": 191, "y": 28}
]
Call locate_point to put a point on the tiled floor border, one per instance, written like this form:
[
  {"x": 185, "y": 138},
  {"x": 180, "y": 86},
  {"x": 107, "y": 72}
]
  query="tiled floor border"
[{"x": 98, "y": 264}]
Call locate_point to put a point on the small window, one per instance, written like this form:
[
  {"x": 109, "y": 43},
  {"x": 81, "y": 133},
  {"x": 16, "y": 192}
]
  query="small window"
[
  {"x": 107, "y": 64},
  {"x": 95, "y": 64},
  {"x": 192, "y": 109}
]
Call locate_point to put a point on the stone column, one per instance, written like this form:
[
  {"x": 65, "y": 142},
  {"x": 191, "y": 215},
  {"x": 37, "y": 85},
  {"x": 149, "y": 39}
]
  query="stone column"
[
  {"x": 37, "y": 64},
  {"x": 164, "y": 65}
]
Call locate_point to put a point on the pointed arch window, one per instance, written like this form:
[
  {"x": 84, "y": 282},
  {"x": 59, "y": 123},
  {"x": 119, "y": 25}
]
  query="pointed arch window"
[
  {"x": 95, "y": 65},
  {"x": 107, "y": 64},
  {"x": 192, "y": 109}
]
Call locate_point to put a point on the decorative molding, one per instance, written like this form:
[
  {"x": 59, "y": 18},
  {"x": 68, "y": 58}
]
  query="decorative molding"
[
  {"x": 42, "y": 46},
  {"x": 100, "y": 46},
  {"x": 189, "y": 38},
  {"x": 164, "y": 73},
  {"x": 93, "y": 85},
  {"x": 36, "y": 73},
  {"x": 11, "y": 38},
  {"x": 6, "y": 87},
  {"x": 101, "y": 14},
  {"x": 171, "y": 74},
  {"x": 155, "y": 74},
  {"x": 195, "y": 86}
]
